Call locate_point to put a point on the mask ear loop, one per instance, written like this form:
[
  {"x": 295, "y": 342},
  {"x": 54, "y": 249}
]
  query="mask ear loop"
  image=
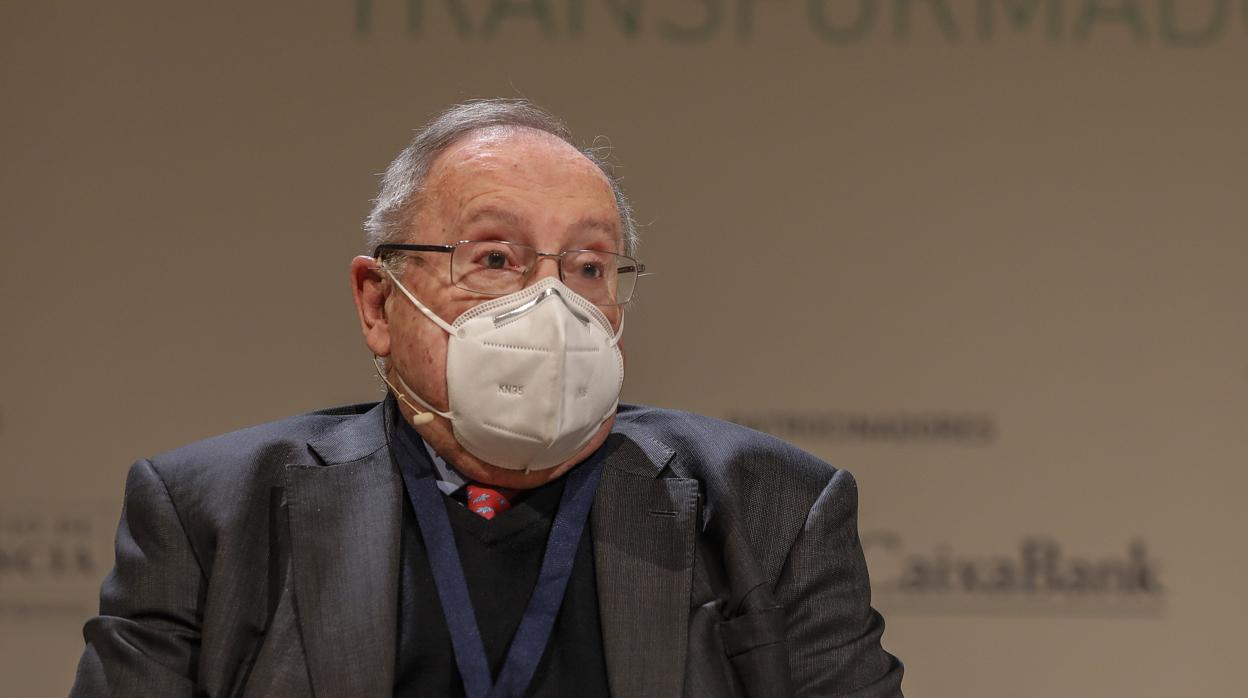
[
  {"x": 419, "y": 416},
  {"x": 449, "y": 329},
  {"x": 614, "y": 342},
  {"x": 620, "y": 332}
]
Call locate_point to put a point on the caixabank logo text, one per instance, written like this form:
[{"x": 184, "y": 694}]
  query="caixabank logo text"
[{"x": 1038, "y": 574}]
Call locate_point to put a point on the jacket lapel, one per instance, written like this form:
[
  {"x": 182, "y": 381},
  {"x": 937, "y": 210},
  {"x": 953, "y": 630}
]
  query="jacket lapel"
[
  {"x": 345, "y": 520},
  {"x": 643, "y": 528}
]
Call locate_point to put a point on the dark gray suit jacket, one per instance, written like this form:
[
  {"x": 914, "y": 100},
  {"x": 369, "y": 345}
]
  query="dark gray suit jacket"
[{"x": 265, "y": 563}]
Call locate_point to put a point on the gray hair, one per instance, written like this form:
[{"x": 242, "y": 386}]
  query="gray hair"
[{"x": 403, "y": 182}]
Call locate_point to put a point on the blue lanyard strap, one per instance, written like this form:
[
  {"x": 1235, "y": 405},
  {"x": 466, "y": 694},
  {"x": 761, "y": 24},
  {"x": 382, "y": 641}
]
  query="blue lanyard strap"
[{"x": 531, "y": 638}]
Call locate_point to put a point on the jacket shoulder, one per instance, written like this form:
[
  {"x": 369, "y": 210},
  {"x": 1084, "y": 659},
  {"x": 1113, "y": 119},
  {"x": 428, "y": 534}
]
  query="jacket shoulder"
[
  {"x": 279, "y": 443},
  {"x": 220, "y": 485},
  {"x": 709, "y": 447},
  {"x": 753, "y": 484}
]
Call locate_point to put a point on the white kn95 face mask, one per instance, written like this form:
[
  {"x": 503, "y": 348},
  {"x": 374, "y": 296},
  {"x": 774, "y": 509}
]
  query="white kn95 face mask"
[{"x": 530, "y": 376}]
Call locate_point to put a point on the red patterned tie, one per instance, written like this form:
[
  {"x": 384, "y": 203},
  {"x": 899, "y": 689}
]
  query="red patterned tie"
[{"x": 489, "y": 501}]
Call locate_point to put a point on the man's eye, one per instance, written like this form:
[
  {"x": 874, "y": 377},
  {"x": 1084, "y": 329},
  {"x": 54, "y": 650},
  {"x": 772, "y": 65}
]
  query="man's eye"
[
  {"x": 495, "y": 260},
  {"x": 591, "y": 271}
]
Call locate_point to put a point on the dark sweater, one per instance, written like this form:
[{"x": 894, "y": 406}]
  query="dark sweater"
[{"x": 501, "y": 559}]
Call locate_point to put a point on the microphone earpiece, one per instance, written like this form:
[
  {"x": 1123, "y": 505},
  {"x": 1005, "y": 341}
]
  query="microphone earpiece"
[{"x": 418, "y": 417}]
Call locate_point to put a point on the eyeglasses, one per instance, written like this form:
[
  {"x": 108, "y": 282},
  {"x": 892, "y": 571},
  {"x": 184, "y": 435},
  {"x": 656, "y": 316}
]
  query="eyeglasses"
[{"x": 497, "y": 268}]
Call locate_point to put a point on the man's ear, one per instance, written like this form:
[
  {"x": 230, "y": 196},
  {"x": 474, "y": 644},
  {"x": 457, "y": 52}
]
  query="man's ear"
[{"x": 370, "y": 287}]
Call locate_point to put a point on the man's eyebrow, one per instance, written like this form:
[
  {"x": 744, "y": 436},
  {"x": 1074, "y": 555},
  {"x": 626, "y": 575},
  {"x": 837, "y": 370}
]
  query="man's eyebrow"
[
  {"x": 509, "y": 218},
  {"x": 606, "y": 225}
]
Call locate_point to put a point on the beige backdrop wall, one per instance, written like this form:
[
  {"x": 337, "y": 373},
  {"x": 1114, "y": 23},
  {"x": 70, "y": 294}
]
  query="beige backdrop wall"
[{"x": 990, "y": 256}]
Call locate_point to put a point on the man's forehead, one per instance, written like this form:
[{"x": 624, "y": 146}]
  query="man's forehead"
[
  {"x": 499, "y": 146},
  {"x": 513, "y": 218},
  {"x": 477, "y": 175}
]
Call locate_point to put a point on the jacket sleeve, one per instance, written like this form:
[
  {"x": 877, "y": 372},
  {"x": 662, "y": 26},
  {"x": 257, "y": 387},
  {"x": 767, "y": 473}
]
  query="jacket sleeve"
[
  {"x": 833, "y": 633},
  {"x": 145, "y": 640}
]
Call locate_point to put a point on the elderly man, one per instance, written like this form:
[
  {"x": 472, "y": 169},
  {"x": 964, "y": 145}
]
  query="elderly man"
[{"x": 498, "y": 525}]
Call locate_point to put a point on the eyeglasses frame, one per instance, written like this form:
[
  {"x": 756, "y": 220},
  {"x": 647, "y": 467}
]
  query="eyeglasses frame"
[{"x": 636, "y": 266}]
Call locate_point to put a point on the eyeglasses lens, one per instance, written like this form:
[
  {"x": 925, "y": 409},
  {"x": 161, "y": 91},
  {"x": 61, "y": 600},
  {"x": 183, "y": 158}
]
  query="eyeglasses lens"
[{"x": 497, "y": 268}]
